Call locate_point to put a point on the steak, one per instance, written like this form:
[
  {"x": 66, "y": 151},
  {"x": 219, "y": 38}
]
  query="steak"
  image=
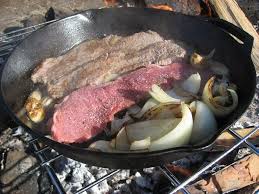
[
  {"x": 100, "y": 61},
  {"x": 87, "y": 111}
]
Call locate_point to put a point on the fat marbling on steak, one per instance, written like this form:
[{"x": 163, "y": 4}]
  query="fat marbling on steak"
[
  {"x": 85, "y": 112},
  {"x": 99, "y": 61}
]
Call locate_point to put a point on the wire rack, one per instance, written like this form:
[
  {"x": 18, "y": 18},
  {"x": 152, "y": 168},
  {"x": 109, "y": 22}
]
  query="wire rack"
[{"x": 7, "y": 43}]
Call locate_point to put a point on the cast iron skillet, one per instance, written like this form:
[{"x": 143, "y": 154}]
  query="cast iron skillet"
[{"x": 57, "y": 38}]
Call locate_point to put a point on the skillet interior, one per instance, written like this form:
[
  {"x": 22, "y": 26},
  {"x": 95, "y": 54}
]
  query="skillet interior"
[{"x": 57, "y": 38}]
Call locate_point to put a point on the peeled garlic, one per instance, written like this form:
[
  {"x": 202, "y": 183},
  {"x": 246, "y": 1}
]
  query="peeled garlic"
[
  {"x": 217, "y": 103},
  {"x": 36, "y": 94},
  {"x": 36, "y": 106},
  {"x": 204, "y": 125},
  {"x": 199, "y": 61},
  {"x": 34, "y": 109}
]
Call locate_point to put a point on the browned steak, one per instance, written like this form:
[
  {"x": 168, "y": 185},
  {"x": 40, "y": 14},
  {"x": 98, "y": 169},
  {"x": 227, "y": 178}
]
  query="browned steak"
[{"x": 99, "y": 61}]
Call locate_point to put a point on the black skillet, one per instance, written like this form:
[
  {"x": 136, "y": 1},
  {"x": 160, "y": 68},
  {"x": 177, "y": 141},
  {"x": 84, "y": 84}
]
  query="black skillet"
[{"x": 57, "y": 38}]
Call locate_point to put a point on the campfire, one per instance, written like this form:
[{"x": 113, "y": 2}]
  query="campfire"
[
  {"x": 163, "y": 7},
  {"x": 21, "y": 156}
]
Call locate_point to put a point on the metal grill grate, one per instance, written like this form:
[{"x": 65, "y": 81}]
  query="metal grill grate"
[{"x": 10, "y": 40}]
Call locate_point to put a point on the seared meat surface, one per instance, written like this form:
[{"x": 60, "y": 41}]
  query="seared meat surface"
[{"x": 100, "y": 61}]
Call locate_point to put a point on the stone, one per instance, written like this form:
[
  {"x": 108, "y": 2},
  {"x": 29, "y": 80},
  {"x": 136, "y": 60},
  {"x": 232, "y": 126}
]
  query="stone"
[
  {"x": 19, "y": 174},
  {"x": 13, "y": 12}
]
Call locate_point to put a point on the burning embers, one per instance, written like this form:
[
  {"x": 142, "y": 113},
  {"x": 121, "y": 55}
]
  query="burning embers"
[
  {"x": 163, "y": 7},
  {"x": 189, "y": 7}
]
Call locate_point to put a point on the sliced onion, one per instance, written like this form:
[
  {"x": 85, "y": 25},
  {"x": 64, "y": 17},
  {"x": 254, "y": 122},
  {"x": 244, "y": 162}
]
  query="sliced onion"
[
  {"x": 187, "y": 90},
  {"x": 192, "y": 83},
  {"x": 163, "y": 111},
  {"x": 148, "y": 105},
  {"x": 141, "y": 144},
  {"x": 221, "y": 100},
  {"x": 161, "y": 96},
  {"x": 121, "y": 141},
  {"x": 217, "y": 108},
  {"x": 153, "y": 129},
  {"x": 178, "y": 136},
  {"x": 178, "y": 93},
  {"x": 204, "y": 125},
  {"x": 101, "y": 145},
  {"x": 117, "y": 124},
  {"x": 133, "y": 110},
  {"x": 113, "y": 143}
]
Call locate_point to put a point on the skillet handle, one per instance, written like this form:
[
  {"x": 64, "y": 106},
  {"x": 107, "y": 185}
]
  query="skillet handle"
[{"x": 242, "y": 35}]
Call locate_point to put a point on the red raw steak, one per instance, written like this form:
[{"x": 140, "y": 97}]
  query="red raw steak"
[{"x": 85, "y": 112}]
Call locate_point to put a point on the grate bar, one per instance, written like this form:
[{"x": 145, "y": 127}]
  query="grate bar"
[
  {"x": 18, "y": 35},
  {"x": 97, "y": 181},
  {"x": 4, "y": 54},
  {"x": 42, "y": 150},
  {"x": 47, "y": 162},
  {"x": 248, "y": 144},
  {"x": 200, "y": 172},
  {"x": 51, "y": 173},
  {"x": 7, "y": 47},
  {"x": 172, "y": 178},
  {"x": 33, "y": 140},
  {"x": 27, "y": 28}
]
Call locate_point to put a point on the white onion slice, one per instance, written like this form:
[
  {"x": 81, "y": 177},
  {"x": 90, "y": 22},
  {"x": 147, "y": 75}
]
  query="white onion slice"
[
  {"x": 178, "y": 136},
  {"x": 113, "y": 143},
  {"x": 148, "y": 105},
  {"x": 161, "y": 96},
  {"x": 204, "y": 125},
  {"x": 117, "y": 124},
  {"x": 101, "y": 145},
  {"x": 133, "y": 110},
  {"x": 141, "y": 144},
  {"x": 121, "y": 141},
  {"x": 163, "y": 111},
  {"x": 152, "y": 128},
  {"x": 216, "y": 107},
  {"x": 192, "y": 83}
]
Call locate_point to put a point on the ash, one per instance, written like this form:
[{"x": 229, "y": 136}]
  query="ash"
[
  {"x": 73, "y": 175},
  {"x": 250, "y": 117}
]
